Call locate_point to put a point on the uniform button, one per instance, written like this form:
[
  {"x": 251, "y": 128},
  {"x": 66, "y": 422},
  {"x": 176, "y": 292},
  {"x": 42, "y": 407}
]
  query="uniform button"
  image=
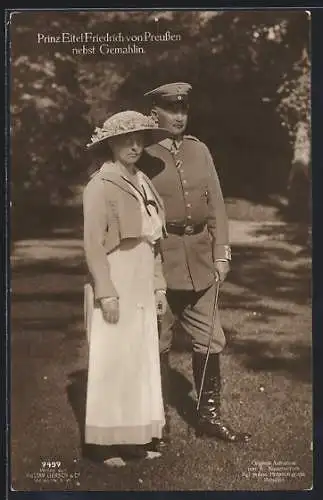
[
  {"x": 184, "y": 181},
  {"x": 188, "y": 205},
  {"x": 186, "y": 193},
  {"x": 189, "y": 216}
]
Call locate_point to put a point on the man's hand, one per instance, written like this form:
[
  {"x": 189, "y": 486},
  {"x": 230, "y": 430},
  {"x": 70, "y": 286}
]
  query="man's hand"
[
  {"x": 161, "y": 302},
  {"x": 222, "y": 268},
  {"x": 110, "y": 309}
]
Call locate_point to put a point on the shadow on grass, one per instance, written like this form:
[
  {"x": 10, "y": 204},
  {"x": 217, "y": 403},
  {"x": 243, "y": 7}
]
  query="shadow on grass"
[
  {"x": 273, "y": 273},
  {"x": 269, "y": 283},
  {"x": 76, "y": 394},
  {"x": 59, "y": 281},
  {"x": 65, "y": 297},
  {"x": 180, "y": 397},
  {"x": 66, "y": 325},
  {"x": 47, "y": 222},
  {"x": 70, "y": 266},
  {"x": 260, "y": 356},
  {"x": 293, "y": 233},
  {"x": 272, "y": 286}
]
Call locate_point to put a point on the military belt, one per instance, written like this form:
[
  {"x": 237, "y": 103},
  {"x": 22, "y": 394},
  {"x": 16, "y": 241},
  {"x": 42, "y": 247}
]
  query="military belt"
[{"x": 181, "y": 229}]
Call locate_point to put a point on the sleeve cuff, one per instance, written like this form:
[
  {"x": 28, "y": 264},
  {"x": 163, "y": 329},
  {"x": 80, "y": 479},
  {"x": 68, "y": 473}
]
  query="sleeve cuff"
[
  {"x": 222, "y": 252},
  {"x": 105, "y": 290}
]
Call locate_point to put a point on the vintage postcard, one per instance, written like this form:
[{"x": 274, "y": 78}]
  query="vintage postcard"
[{"x": 161, "y": 329}]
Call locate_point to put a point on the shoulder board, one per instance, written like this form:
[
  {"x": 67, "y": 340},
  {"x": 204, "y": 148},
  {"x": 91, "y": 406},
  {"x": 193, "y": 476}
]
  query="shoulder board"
[{"x": 192, "y": 137}]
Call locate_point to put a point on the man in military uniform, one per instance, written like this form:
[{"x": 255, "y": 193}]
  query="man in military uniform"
[{"x": 196, "y": 252}]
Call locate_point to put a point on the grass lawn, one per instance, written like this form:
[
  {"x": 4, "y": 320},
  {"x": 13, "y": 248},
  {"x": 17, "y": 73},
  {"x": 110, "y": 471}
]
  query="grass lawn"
[
  {"x": 266, "y": 313},
  {"x": 241, "y": 209}
]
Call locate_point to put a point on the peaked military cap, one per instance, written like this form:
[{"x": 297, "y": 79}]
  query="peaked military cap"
[{"x": 170, "y": 92}]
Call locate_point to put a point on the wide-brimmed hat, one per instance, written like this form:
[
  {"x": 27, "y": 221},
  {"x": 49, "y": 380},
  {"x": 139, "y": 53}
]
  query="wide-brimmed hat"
[{"x": 127, "y": 122}]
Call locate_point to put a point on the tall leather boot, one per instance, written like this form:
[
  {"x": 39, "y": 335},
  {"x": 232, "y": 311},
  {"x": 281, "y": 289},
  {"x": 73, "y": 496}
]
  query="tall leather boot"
[
  {"x": 209, "y": 421},
  {"x": 165, "y": 373}
]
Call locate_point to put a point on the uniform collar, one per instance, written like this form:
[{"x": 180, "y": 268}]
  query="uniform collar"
[{"x": 170, "y": 143}]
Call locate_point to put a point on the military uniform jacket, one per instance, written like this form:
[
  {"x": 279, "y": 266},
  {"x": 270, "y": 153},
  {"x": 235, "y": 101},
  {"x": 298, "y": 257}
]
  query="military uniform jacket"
[
  {"x": 111, "y": 213},
  {"x": 189, "y": 185}
]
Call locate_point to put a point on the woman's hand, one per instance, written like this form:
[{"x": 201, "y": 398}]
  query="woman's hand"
[
  {"x": 161, "y": 302},
  {"x": 110, "y": 309}
]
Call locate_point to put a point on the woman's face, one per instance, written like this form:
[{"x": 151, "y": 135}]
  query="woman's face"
[{"x": 127, "y": 148}]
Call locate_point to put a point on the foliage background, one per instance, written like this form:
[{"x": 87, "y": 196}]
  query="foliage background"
[{"x": 250, "y": 72}]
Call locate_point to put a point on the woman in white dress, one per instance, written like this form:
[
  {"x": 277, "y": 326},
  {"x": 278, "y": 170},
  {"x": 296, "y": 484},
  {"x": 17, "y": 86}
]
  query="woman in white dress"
[{"x": 123, "y": 222}]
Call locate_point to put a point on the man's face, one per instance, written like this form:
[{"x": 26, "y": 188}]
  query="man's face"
[{"x": 172, "y": 116}]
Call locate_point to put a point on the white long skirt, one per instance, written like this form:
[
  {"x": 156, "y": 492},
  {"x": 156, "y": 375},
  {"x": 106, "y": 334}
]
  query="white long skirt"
[{"x": 124, "y": 399}]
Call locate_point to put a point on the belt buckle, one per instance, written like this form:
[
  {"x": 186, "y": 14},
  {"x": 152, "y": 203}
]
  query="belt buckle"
[{"x": 189, "y": 229}]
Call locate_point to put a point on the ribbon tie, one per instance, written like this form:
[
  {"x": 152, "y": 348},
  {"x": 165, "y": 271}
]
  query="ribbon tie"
[{"x": 147, "y": 202}]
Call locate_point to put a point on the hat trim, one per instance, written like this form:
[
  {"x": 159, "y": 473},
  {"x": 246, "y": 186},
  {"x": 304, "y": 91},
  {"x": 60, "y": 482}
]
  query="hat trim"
[{"x": 155, "y": 131}]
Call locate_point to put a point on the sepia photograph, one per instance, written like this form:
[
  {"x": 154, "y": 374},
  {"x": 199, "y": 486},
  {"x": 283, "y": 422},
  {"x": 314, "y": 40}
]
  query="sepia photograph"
[{"x": 160, "y": 250}]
